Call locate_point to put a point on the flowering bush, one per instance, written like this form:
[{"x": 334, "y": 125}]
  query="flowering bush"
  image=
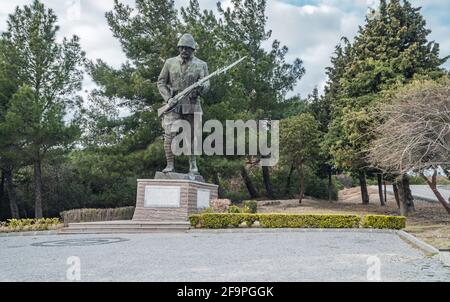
[
  {"x": 15, "y": 225},
  {"x": 220, "y": 205}
]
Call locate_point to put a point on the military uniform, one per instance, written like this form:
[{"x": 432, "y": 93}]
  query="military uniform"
[
  {"x": 177, "y": 75},
  {"x": 174, "y": 78}
]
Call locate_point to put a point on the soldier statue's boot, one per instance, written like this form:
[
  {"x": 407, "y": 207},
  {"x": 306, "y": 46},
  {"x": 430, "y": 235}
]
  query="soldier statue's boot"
[
  {"x": 170, "y": 167},
  {"x": 169, "y": 154},
  {"x": 193, "y": 169}
]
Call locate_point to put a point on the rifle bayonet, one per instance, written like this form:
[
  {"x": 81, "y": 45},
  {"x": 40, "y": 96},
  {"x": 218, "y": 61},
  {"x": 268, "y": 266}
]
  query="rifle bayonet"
[{"x": 180, "y": 96}]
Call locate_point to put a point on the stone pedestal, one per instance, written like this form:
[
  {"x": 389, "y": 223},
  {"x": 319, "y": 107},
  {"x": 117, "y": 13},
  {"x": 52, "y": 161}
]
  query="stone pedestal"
[
  {"x": 171, "y": 200},
  {"x": 179, "y": 176}
]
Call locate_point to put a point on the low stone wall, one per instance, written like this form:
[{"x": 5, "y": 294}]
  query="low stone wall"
[{"x": 94, "y": 215}]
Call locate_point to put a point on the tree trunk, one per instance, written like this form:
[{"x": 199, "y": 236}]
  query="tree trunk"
[
  {"x": 433, "y": 186},
  {"x": 11, "y": 194},
  {"x": 404, "y": 211},
  {"x": 38, "y": 189},
  {"x": 330, "y": 184},
  {"x": 385, "y": 192},
  {"x": 396, "y": 195},
  {"x": 287, "y": 189},
  {"x": 2, "y": 189},
  {"x": 408, "y": 194},
  {"x": 267, "y": 182},
  {"x": 58, "y": 192},
  {"x": 249, "y": 184},
  {"x": 406, "y": 200},
  {"x": 380, "y": 189},
  {"x": 301, "y": 175},
  {"x": 363, "y": 184}
]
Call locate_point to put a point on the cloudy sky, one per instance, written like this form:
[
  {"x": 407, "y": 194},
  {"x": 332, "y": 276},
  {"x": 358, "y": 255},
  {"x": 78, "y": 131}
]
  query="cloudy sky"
[{"x": 310, "y": 28}]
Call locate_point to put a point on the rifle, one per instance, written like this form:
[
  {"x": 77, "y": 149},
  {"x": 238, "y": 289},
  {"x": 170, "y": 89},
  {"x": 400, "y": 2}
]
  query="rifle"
[{"x": 180, "y": 96}]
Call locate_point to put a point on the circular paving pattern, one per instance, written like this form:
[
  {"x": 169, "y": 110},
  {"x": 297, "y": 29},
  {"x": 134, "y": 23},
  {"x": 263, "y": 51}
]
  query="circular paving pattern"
[{"x": 80, "y": 242}]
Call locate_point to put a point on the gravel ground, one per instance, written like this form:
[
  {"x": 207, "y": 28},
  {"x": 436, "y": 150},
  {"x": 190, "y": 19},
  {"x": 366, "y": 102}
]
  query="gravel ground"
[{"x": 253, "y": 257}]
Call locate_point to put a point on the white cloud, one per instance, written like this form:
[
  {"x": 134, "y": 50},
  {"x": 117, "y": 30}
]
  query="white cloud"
[{"x": 311, "y": 33}]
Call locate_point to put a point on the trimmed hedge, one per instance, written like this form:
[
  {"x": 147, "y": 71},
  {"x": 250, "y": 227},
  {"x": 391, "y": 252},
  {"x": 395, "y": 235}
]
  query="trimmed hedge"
[
  {"x": 221, "y": 220},
  {"x": 318, "y": 221},
  {"x": 335, "y": 221},
  {"x": 384, "y": 222}
]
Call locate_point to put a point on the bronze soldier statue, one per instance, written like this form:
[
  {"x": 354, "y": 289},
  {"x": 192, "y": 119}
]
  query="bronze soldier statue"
[{"x": 178, "y": 74}]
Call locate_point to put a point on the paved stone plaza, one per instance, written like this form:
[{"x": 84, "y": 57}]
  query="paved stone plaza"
[{"x": 218, "y": 256}]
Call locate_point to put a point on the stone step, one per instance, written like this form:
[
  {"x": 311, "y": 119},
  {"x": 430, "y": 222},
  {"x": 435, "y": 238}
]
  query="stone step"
[
  {"x": 124, "y": 227},
  {"x": 68, "y": 231}
]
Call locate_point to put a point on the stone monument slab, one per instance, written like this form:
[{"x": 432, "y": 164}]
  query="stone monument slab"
[{"x": 162, "y": 197}]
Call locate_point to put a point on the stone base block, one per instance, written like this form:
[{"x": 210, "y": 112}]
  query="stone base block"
[
  {"x": 125, "y": 227},
  {"x": 165, "y": 200},
  {"x": 179, "y": 176}
]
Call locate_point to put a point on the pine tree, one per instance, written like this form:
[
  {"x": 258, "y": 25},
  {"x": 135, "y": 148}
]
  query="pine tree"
[
  {"x": 9, "y": 162},
  {"x": 390, "y": 49},
  {"x": 47, "y": 75}
]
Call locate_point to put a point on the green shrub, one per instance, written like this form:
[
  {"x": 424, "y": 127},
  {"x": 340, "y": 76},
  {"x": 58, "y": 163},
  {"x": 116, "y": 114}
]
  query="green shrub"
[
  {"x": 251, "y": 206},
  {"x": 221, "y": 220},
  {"x": 195, "y": 220},
  {"x": 207, "y": 210},
  {"x": 236, "y": 196},
  {"x": 318, "y": 188},
  {"x": 315, "y": 186},
  {"x": 371, "y": 181},
  {"x": 337, "y": 183},
  {"x": 384, "y": 222},
  {"x": 308, "y": 221},
  {"x": 234, "y": 210},
  {"x": 235, "y": 220},
  {"x": 42, "y": 224}
]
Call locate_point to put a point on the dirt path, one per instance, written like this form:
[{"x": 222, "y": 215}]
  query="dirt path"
[{"x": 430, "y": 222}]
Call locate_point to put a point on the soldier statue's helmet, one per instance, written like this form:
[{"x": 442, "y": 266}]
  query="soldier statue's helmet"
[{"x": 187, "y": 40}]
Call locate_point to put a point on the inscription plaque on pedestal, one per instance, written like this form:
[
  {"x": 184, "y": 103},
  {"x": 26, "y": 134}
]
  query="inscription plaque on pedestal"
[
  {"x": 203, "y": 198},
  {"x": 162, "y": 197}
]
